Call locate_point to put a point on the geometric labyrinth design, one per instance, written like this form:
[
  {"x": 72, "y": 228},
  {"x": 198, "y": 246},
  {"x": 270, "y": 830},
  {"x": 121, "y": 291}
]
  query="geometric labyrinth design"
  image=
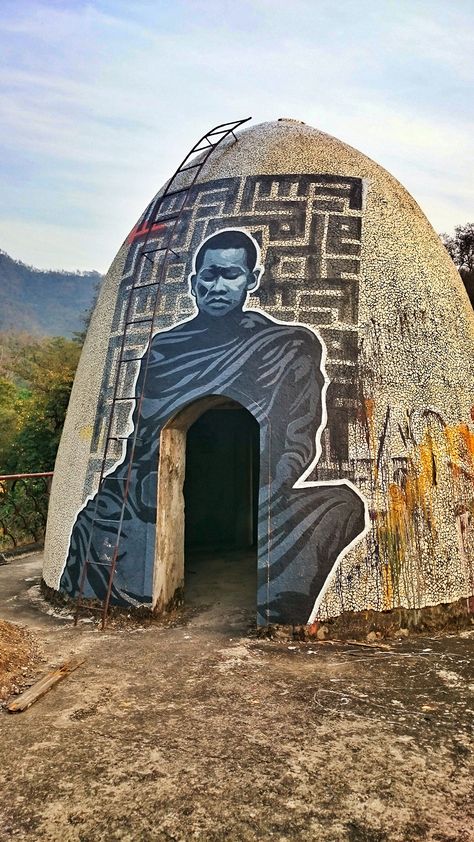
[{"x": 309, "y": 229}]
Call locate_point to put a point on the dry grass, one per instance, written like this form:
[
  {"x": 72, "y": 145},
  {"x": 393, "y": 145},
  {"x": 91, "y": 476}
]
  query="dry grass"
[{"x": 18, "y": 651}]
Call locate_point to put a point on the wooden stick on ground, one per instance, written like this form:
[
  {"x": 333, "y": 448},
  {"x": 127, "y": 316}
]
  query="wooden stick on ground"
[{"x": 26, "y": 699}]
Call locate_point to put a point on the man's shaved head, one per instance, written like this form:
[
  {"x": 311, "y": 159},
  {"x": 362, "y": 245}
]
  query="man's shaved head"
[
  {"x": 225, "y": 272},
  {"x": 231, "y": 239}
]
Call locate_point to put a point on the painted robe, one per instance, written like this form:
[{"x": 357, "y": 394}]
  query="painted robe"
[{"x": 274, "y": 371}]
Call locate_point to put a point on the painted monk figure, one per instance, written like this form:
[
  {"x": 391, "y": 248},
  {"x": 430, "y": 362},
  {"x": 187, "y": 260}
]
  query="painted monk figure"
[{"x": 275, "y": 371}]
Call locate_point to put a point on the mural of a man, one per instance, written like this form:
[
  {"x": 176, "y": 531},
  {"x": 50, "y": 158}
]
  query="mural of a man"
[{"x": 274, "y": 370}]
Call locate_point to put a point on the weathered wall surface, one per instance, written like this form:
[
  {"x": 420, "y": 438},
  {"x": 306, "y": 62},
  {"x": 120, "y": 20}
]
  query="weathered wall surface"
[
  {"x": 348, "y": 252},
  {"x": 68, "y": 489}
]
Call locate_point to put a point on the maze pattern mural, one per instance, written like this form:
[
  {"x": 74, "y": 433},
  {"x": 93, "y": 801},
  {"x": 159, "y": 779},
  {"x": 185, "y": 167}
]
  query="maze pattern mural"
[{"x": 309, "y": 228}]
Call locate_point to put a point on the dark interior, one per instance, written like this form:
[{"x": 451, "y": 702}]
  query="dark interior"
[{"x": 221, "y": 484}]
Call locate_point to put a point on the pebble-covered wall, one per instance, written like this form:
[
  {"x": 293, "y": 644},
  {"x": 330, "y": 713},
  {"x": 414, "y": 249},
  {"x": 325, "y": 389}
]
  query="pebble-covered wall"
[{"x": 348, "y": 253}]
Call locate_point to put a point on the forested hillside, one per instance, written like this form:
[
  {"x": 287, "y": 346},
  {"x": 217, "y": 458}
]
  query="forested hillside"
[
  {"x": 44, "y": 303},
  {"x": 36, "y": 377}
]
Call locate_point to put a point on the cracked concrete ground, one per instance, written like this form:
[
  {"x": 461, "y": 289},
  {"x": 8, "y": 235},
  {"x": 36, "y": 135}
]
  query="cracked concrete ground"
[{"x": 198, "y": 731}]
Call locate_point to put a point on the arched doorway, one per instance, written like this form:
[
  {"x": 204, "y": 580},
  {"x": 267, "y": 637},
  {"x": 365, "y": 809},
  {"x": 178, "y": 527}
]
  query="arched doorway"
[
  {"x": 208, "y": 482},
  {"x": 221, "y": 508}
]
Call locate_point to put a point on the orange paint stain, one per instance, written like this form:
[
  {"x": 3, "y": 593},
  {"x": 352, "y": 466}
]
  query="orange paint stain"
[
  {"x": 369, "y": 405},
  {"x": 460, "y": 447},
  {"x": 405, "y": 508},
  {"x": 467, "y": 438}
]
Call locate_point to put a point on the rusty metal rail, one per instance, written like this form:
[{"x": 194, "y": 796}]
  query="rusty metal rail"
[{"x": 23, "y": 509}]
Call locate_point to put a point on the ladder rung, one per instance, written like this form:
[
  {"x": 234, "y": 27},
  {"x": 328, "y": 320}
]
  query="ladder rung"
[
  {"x": 174, "y": 193},
  {"x": 116, "y": 400},
  {"x": 198, "y": 144},
  {"x": 161, "y": 248},
  {"x": 122, "y": 438},
  {"x": 129, "y": 360},
  {"x": 158, "y": 248},
  {"x": 112, "y": 479},
  {"x": 87, "y": 607},
  {"x": 165, "y": 219},
  {"x": 149, "y": 251},
  {"x": 107, "y": 564},
  {"x": 104, "y": 520},
  {"x": 201, "y": 149},
  {"x": 148, "y": 284},
  {"x": 234, "y": 123},
  {"x": 191, "y": 166},
  {"x": 109, "y": 439},
  {"x": 201, "y": 162},
  {"x": 138, "y": 321}
]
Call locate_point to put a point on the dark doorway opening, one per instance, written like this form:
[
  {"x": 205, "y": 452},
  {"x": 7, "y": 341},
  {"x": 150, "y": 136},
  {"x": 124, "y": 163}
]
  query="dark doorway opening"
[{"x": 221, "y": 508}]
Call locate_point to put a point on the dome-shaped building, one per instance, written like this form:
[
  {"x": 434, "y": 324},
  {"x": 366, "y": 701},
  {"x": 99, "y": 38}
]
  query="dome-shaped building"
[{"x": 285, "y": 305}]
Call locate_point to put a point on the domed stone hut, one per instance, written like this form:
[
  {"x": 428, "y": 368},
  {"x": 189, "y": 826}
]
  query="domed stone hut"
[{"x": 283, "y": 336}]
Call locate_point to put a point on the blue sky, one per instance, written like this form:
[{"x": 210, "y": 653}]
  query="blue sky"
[{"x": 100, "y": 100}]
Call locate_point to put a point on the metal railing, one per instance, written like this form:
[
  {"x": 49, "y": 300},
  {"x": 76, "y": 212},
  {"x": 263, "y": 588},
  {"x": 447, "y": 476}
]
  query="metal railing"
[{"x": 23, "y": 509}]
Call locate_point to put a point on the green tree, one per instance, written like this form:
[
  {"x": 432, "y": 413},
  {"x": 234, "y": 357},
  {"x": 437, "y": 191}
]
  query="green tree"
[
  {"x": 10, "y": 396},
  {"x": 34, "y": 395},
  {"x": 460, "y": 246}
]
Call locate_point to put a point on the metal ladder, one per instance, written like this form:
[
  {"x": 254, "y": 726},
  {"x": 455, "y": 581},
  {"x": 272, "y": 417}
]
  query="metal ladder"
[{"x": 166, "y": 227}]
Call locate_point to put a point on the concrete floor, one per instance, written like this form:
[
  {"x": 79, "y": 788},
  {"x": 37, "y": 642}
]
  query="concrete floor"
[
  {"x": 224, "y": 582},
  {"x": 197, "y": 731}
]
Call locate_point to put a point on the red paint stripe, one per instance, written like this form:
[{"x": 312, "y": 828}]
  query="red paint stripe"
[{"x": 138, "y": 232}]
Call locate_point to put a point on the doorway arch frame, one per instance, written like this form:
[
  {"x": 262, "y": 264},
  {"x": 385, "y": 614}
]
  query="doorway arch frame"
[{"x": 168, "y": 569}]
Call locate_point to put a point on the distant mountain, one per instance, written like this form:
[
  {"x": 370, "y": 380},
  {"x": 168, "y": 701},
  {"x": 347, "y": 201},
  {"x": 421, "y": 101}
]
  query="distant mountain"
[{"x": 44, "y": 302}]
